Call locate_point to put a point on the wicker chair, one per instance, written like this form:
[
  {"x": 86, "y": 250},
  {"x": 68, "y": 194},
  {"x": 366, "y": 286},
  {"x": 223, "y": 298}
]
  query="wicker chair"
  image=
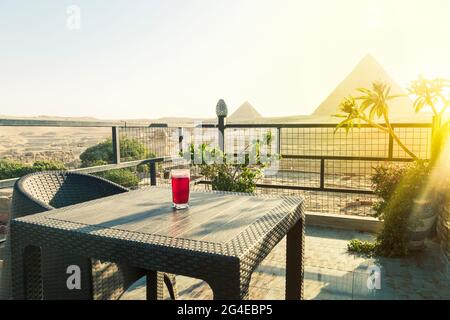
[{"x": 39, "y": 192}]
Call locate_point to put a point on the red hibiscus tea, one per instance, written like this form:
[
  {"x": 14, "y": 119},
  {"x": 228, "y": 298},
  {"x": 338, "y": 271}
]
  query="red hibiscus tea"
[{"x": 180, "y": 188}]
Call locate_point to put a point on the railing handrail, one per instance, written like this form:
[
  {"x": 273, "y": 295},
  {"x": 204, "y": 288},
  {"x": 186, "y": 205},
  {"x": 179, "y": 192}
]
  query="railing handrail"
[
  {"x": 321, "y": 125},
  {"x": 123, "y": 124},
  {"x": 8, "y": 183},
  {"x": 59, "y": 123},
  {"x": 17, "y": 122}
]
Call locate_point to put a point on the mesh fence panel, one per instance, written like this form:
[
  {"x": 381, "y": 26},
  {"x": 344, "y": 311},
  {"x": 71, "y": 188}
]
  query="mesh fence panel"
[
  {"x": 349, "y": 174},
  {"x": 329, "y": 202},
  {"x": 241, "y": 140},
  {"x": 345, "y": 158},
  {"x": 138, "y": 143},
  {"x": 198, "y": 136},
  {"x": 323, "y": 141},
  {"x": 61, "y": 144},
  {"x": 295, "y": 172},
  {"x": 418, "y": 140}
]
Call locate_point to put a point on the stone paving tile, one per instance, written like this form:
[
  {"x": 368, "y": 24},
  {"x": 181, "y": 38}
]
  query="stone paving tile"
[{"x": 332, "y": 273}]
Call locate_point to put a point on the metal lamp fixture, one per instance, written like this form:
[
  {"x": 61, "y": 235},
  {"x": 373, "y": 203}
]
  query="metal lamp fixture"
[
  {"x": 221, "y": 108},
  {"x": 221, "y": 112}
]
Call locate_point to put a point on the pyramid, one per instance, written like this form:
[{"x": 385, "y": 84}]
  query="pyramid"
[
  {"x": 362, "y": 76},
  {"x": 245, "y": 113}
]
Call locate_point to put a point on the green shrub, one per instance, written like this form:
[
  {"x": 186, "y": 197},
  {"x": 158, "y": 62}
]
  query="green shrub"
[
  {"x": 124, "y": 177},
  {"x": 102, "y": 154},
  {"x": 394, "y": 209},
  {"x": 226, "y": 175},
  {"x": 362, "y": 247},
  {"x": 384, "y": 182},
  {"x": 47, "y": 165},
  {"x": 397, "y": 186},
  {"x": 14, "y": 169},
  {"x": 99, "y": 154}
]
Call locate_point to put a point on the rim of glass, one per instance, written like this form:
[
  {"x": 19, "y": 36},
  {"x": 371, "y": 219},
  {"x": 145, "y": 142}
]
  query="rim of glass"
[{"x": 180, "y": 173}]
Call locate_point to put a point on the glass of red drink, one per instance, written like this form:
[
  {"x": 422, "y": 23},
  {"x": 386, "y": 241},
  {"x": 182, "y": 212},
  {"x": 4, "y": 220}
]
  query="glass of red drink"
[{"x": 180, "y": 188}]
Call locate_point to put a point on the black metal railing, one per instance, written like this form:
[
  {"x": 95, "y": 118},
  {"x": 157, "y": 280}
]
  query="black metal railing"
[
  {"x": 331, "y": 170},
  {"x": 118, "y": 154}
]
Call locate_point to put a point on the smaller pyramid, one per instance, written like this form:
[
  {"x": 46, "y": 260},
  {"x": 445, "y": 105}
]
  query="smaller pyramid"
[{"x": 245, "y": 113}]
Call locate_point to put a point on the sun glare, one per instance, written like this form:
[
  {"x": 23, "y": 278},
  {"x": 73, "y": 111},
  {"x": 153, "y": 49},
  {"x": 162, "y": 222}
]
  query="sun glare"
[{"x": 441, "y": 169}]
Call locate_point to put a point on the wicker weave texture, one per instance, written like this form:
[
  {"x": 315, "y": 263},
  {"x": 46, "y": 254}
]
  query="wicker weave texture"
[
  {"x": 226, "y": 266},
  {"x": 44, "y": 191}
]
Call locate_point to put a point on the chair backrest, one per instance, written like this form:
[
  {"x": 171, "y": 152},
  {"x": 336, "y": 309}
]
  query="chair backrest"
[
  {"x": 43, "y": 191},
  {"x": 55, "y": 189}
]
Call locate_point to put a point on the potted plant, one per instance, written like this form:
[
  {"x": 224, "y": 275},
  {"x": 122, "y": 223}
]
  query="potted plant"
[
  {"x": 408, "y": 195},
  {"x": 408, "y": 213}
]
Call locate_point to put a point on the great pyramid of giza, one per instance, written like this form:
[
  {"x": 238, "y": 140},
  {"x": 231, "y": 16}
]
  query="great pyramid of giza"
[
  {"x": 245, "y": 113},
  {"x": 362, "y": 76}
]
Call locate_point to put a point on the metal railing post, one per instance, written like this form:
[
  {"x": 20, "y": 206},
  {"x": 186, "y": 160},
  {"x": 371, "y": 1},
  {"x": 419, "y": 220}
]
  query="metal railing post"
[
  {"x": 322, "y": 173},
  {"x": 180, "y": 139},
  {"x": 436, "y": 141},
  {"x": 391, "y": 147},
  {"x": 116, "y": 145},
  {"x": 221, "y": 113},
  {"x": 279, "y": 141},
  {"x": 153, "y": 174},
  {"x": 221, "y": 127}
]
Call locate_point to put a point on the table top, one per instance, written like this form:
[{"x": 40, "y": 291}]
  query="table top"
[{"x": 214, "y": 217}]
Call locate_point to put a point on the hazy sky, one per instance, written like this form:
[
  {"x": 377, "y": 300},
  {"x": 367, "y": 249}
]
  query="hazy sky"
[{"x": 147, "y": 59}]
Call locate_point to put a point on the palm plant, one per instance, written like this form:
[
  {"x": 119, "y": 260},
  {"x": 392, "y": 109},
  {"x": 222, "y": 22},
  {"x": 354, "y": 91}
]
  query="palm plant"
[
  {"x": 432, "y": 93},
  {"x": 371, "y": 105},
  {"x": 435, "y": 94}
]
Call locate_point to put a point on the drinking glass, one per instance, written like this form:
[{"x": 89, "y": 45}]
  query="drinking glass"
[{"x": 180, "y": 188}]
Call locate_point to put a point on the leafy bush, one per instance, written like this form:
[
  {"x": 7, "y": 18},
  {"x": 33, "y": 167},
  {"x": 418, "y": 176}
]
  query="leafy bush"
[
  {"x": 362, "y": 247},
  {"x": 47, "y": 165},
  {"x": 397, "y": 186},
  {"x": 236, "y": 178},
  {"x": 395, "y": 209},
  {"x": 124, "y": 177},
  {"x": 102, "y": 154},
  {"x": 225, "y": 175},
  {"x": 99, "y": 154},
  {"x": 14, "y": 169},
  {"x": 130, "y": 149},
  {"x": 384, "y": 182}
]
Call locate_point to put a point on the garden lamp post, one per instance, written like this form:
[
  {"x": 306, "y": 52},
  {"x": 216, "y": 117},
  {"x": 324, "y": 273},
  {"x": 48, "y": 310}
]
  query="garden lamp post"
[{"x": 221, "y": 112}]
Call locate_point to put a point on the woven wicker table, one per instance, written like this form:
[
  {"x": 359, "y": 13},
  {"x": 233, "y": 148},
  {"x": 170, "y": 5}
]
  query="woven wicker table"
[{"x": 220, "y": 239}]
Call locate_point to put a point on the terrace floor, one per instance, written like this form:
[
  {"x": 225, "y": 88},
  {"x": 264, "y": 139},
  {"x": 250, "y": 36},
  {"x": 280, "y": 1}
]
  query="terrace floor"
[{"x": 332, "y": 273}]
